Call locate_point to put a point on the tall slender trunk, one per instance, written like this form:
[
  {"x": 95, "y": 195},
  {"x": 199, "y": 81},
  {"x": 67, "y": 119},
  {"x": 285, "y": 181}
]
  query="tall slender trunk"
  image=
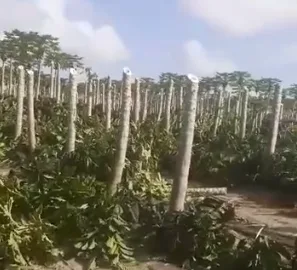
[
  {"x": 58, "y": 80},
  {"x": 38, "y": 78},
  {"x": 20, "y": 102},
  {"x": 90, "y": 97},
  {"x": 15, "y": 87},
  {"x": 201, "y": 108},
  {"x": 31, "y": 117},
  {"x": 121, "y": 95},
  {"x": 168, "y": 106},
  {"x": 98, "y": 93},
  {"x": 10, "y": 77},
  {"x": 281, "y": 112},
  {"x": 86, "y": 92},
  {"x": 55, "y": 84},
  {"x": 3, "y": 78},
  {"x": 255, "y": 122},
  {"x": 236, "y": 115},
  {"x": 180, "y": 183},
  {"x": 114, "y": 97},
  {"x": 145, "y": 101},
  {"x": 244, "y": 113},
  {"x": 70, "y": 147},
  {"x": 136, "y": 101},
  {"x": 228, "y": 104},
  {"x": 268, "y": 100},
  {"x": 108, "y": 104},
  {"x": 121, "y": 148},
  {"x": 218, "y": 113},
  {"x": 198, "y": 104},
  {"x": 180, "y": 106},
  {"x": 94, "y": 93},
  {"x": 160, "y": 105},
  {"x": 276, "y": 118},
  {"x": 103, "y": 97},
  {"x": 52, "y": 79}
]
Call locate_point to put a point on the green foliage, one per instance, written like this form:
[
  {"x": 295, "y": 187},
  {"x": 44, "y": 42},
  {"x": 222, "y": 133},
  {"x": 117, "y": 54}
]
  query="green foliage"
[
  {"x": 24, "y": 236},
  {"x": 56, "y": 200},
  {"x": 198, "y": 238}
]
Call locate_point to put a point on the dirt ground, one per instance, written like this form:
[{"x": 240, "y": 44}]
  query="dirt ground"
[{"x": 256, "y": 208}]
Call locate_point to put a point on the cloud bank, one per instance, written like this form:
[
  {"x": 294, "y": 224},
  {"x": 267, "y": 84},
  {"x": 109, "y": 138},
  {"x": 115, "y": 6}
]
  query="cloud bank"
[
  {"x": 243, "y": 17},
  {"x": 98, "y": 45},
  {"x": 202, "y": 62}
]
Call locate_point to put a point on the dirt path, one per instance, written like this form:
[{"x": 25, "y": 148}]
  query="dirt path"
[{"x": 257, "y": 208}]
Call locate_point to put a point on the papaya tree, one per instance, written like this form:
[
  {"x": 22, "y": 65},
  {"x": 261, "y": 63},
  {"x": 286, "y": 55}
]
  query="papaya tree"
[{"x": 180, "y": 183}]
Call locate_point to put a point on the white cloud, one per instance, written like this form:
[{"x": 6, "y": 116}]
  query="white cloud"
[
  {"x": 99, "y": 46},
  {"x": 202, "y": 62},
  {"x": 243, "y": 17}
]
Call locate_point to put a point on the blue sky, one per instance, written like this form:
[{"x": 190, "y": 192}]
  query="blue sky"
[{"x": 197, "y": 36}]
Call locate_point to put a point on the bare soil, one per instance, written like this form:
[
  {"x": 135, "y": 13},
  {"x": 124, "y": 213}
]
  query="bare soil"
[{"x": 255, "y": 208}]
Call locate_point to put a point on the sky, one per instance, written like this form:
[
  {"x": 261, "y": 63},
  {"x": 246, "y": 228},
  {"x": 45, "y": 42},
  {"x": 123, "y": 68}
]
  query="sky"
[{"x": 153, "y": 36}]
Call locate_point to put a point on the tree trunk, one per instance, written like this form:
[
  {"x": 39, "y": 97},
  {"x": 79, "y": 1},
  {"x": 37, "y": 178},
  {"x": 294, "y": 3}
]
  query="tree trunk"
[
  {"x": 86, "y": 92},
  {"x": 103, "y": 97},
  {"x": 180, "y": 183},
  {"x": 52, "y": 80},
  {"x": 160, "y": 105},
  {"x": 122, "y": 142},
  {"x": 38, "y": 78},
  {"x": 108, "y": 104},
  {"x": 72, "y": 112},
  {"x": 218, "y": 113},
  {"x": 281, "y": 111},
  {"x": 3, "y": 78},
  {"x": 244, "y": 113},
  {"x": 236, "y": 115},
  {"x": 10, "y": 77},
  {"x": 276, "y": 117},
  {"x": 228, "y": 105},
  {"x": 180, "y": 106},
  {"x": 98, "y": 93},
  {"x": 31, "y": 117},
  {"x": 145, "y": 101},
  {"x": 58, "y": 80},
  {"x": 90, "y": 98},
  {"x": 168, "y": 106},
  {"x": 20, "y": 102},
  {"x": 136, "y": 101},
  {"x": 114, "y": 97},
  {"x": 201, "y": 108}
]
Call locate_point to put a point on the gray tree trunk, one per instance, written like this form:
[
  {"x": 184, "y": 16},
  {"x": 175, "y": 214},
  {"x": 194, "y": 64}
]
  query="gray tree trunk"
[
  {"x": 180, "y": 183},
  {"x": 244, "y": 113},
  {"x": 58, "y": 80},
  {"x": 276, "y": 118},
  {"x": 218, "y": 113},
  {"x": 122, "y": 142},
  {"x": 31, "y": 117},
  {"x": 20, "y": 102},
  {"x": 108, "y": 104},
  {"x": 52, "y": 79},
  {"x": 10, "y": 78},
  {"x": 161, "y": 105},
  {"x": 90, "y": 98},
  {"x": 3, "y": 79},
  {"x": 70, "y": 147},
  {"x": 145, "y": 104},
  {"x": 136, "y": 101},
  {"x": 168, "y": 106}
]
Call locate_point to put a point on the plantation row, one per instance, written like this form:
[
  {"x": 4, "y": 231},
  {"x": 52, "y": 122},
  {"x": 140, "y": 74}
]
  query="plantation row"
[{"x": 89, "y": 162}]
